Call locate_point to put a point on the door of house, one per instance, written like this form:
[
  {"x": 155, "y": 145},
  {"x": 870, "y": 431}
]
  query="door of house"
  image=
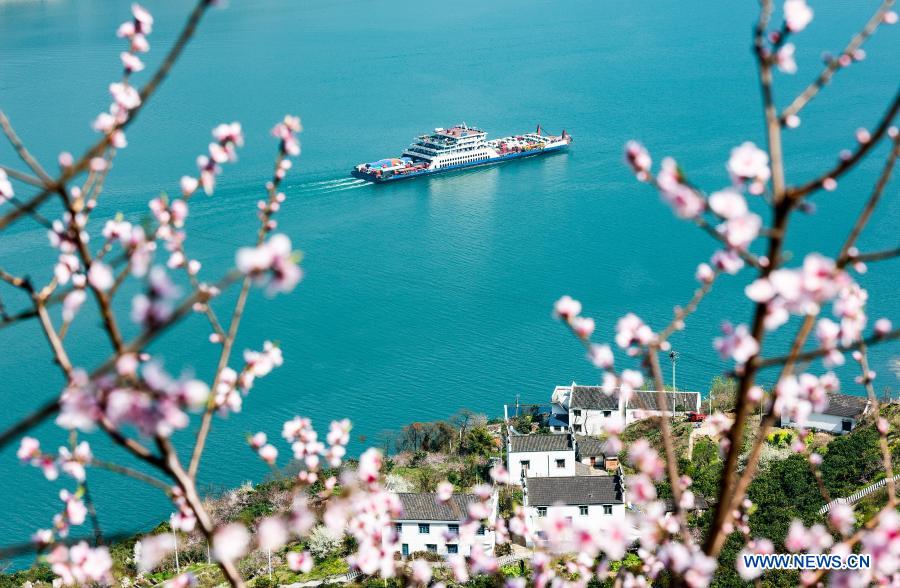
[{"x": 846, "y": 425}]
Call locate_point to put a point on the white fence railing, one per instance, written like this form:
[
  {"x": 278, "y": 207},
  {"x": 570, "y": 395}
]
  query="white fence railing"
[{"x": 857, "y": 496}]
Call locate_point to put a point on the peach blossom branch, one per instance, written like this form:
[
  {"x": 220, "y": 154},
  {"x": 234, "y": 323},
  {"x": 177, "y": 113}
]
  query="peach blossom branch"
[{"x": 834, "y": 64}]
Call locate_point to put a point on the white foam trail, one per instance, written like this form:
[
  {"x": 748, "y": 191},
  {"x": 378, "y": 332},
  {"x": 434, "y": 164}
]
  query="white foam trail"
[
  {"x": 328, "y": 185},
  {"x": 350, "y": 187}
]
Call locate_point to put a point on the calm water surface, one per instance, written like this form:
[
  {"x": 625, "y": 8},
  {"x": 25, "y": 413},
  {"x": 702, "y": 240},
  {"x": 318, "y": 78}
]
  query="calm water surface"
[{"x": 426, "y": 296}]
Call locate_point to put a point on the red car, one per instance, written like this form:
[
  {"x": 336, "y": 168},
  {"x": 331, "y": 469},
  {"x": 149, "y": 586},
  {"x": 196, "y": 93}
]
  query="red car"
[{"x": 696, "y": 417}]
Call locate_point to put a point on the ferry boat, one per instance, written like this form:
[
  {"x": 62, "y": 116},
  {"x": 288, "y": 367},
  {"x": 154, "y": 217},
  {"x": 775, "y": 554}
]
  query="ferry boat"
[{"x": 458, "y": 147}]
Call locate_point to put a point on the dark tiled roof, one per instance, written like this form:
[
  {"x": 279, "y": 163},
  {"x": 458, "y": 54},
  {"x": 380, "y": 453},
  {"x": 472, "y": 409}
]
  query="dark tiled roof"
[
  {"x": 647, "y": 400},
  {"x": 700, "y": 503},
  {"x": 558, "y": 420},
  {"x": 592, "y": 447},
  {"x": 573, "y": 490},
  {"x": 423, "y": 506},
  {"x": 551, "y": 442},
  {"x": 593, "y": 398},
  {"x": 846, "y": 405}
]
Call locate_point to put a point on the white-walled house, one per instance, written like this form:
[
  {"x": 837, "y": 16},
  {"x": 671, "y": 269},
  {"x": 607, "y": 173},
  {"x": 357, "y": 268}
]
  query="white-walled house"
[
  {"x": 539, "y": 456},
  {"x": 645, "y": 404},
  {"x": 590, "y": 408},
  {"x": 593, "y": 498},
  {"x": 428, "y": 526},
  {"x": 842, "y": 415}
]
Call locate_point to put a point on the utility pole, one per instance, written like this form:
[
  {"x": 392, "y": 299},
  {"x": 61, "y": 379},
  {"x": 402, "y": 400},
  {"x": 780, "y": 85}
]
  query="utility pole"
[{"x": 673, "y": 355}]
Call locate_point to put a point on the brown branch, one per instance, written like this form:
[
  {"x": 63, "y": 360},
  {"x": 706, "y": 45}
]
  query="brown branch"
[
  {"x": 833, "y": 64},
  {"x": 98, "y": 148},
  {"x": 882, "y": 435},
  {"x": 231, "y": 336},
  {"x": 683, "y": 313},
  {"x": 761, "y": 363},
  {"x": 50, "y": 408},
  {"x": 781, "y": 212},
  {"x": 870, "y": 205},
  {"x": 844, "y": 165},
  {"x": 24, "y": 154},
  {"x": 188, "y": 487},
  {"x": 878, "y": 255},
  {"x": 132, "y": 473},
  {"x": 21, "y": 176}
]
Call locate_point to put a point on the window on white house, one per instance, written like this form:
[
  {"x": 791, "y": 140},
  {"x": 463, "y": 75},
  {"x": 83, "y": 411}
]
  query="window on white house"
[
  {"x": 398, "y": 527},
  {"x": 583, "y": 510},
  {"x": 452, "y": 548},
  {"x": 481, "y": 530},
  {"x": 453, "y": 529},
  {"x": 542, "y": 511},
  {"x": 607, "y": 509},
  {"x": 431, "y": 547},
  {"x": 577, "y": 412},
  {"x": 405, "y": 549},
  {"x": 560, "y": 463},
  {"x": 607, "y": 413},
  {"x": 424, "y": 528},
  {"x": 525, "y": 465},
  {"x": 577, "y": 428}
]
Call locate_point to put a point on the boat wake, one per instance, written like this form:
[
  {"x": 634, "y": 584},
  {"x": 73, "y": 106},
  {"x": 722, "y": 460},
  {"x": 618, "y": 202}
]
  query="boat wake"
[{"x": 334, "y": 185}]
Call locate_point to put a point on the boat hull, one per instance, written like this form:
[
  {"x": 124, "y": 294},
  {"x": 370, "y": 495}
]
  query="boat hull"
[{"x": 451, "y": 168}]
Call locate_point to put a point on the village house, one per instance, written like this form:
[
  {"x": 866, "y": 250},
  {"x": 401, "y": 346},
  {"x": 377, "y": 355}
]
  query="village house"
[
  {"x": 588, "y": 409},
  {"x": 593, "y": 498},
  {"x": 842, "y": 415},
  {"x": 428, "y": 526},
  {"x": 595, "y": 453},
  {"x": 539, "y": 456}
]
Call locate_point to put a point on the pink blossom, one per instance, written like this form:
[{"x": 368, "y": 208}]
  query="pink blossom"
[
  {"x": 261, "y": 363},
  {"x": 601, "y": 356},
  {"x": 890, "y": 17},
  {"x": 151, "y": 550},
  {"x": 272, "y": 262},
  {"x": 704, "y": 273},
  {"x": 727, "y": 261},
  {"x": 78, "y": 405},
  {"x": 125, "y": 96},
  {"x": 258, "y": 440},
  {"x": 630, "y": 380},
  {"x": 567, "y": 307},
  {"x": 72, "y": 304},
  {"x": 797, "y": 14},
  {"x": 6, "y": 189},
  {"x": 883, "y": 327},
  {"x": 230, "y": 542},
  {"x": 370, "y": 465},
  {"x": 272, "y": 533},
  {"x": 421, "y": 572},
  {"x": 29, "y": 448},
  {"x": 100, "y": 276},
  {"x": 287, "y": 131},
  {"x": 73, "y": 462},
  {"x": 784, "y": 59},
  {"x": 444, "y": 492},
  {"x": 268, "y": 453},
  {"x": 131, "y": 62},
  {"x": 188, "y": 185},
  {"x": 631, "y": 330},
  {"x": 736, "y": 343},
  {"x": 646, "y": 459},
  {"x": 728, "y": 203},
  {"x": 583, "y": 326},
  {"x": 756, "y": 547},
  {"x": 81, "y": 564},
  {"x": 75, "y": 510},
  {"x": 300, "y": 561},
  {"x": 749, "y": 163},
  {"x": 740, "y": 231},
  {"x": 682, "y": 198},
  {"x": 841, "y": 517},
  {"x": 638, "y": 158}
]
